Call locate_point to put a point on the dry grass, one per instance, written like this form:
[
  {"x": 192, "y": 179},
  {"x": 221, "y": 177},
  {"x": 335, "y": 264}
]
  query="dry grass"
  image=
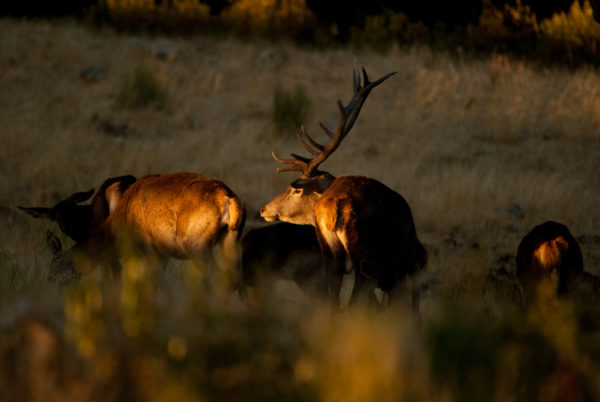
[{"x": 461, "y": 140}]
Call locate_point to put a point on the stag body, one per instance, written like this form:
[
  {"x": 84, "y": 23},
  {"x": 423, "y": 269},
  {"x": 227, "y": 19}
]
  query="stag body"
[{"x": 365, "y": 229}]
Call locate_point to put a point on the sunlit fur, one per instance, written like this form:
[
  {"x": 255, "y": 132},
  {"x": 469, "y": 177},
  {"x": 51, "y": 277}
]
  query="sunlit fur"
[
  {"x": 548, "y": 254},
  {"x": 179, "y": 215}
]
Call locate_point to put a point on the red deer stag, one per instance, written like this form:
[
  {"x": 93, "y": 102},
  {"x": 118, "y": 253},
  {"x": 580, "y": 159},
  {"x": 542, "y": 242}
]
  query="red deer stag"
[
  {"x": 549, "y": 255},
  {"x": 79, "y": 221},
  {"x": 365, "y": 229}
]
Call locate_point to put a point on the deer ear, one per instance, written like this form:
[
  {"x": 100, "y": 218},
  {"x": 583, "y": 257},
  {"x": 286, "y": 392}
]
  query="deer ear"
[
  {"x": 53, "y": 243},
  {"x": 36, "y": 212},
  {"x": 80, "y": 197}
]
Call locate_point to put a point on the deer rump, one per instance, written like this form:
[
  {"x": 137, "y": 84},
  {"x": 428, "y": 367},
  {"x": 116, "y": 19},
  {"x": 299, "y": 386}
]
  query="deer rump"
[
  {"x": 373, "y": 225},
  {"x": 179, "y": 215},
  {"x": 549, "y": 249}
]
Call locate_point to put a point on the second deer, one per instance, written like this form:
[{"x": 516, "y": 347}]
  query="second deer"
[{"x": 180, "y": 215}]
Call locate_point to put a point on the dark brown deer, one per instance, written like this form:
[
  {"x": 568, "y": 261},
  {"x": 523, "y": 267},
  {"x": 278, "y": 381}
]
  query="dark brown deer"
[
  {"x": 550, "y": 255},
  {"x": 283, "y": 251},
  {"x": 365, "y": 229},
  {"x": 79, "y": 221}
]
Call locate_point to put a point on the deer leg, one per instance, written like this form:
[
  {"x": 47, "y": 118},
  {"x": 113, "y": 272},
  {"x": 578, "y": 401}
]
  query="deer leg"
[
  {"x": 228, "y": 257},
  {"x": 348, "y": 283},
  {"x": 382, "y": 297},
  {"x": 334, "y": 267},
  {"x": 334, "y": 259},
  {"x": 162, "y": 278}
]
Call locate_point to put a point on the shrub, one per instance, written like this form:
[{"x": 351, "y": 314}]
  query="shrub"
[
  {"x": 269, "y": 16},
  {"x": 142, "y": 88},
  {"x": 380, "y": 31},
  {"x": 575, "y": 32},
  {"x": 170, "y": 16},
  {"x": 290, "y": 109},
  {"x": 513, "y": 29}
]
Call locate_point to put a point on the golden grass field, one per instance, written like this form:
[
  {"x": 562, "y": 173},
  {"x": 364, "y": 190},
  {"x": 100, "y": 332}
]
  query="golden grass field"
[{"x": 463, "y": 140}]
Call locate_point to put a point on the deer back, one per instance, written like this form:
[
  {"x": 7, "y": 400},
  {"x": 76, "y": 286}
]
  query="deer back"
[
  {"x": 179, "y": 214},
  {"x": 107, "y": 198}
]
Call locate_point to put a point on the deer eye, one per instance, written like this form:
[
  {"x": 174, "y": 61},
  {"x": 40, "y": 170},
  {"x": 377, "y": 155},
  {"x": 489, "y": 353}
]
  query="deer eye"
[{"x": 297, "y": 191}]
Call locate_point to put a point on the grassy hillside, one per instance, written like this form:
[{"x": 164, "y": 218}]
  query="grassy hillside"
[{"x": 483, "y": 150}]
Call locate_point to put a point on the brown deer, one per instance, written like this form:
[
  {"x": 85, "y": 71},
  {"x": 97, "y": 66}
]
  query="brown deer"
[
  {"x": 365, "y": 229},
  {"x": 79, "y": 221},
  {"x": 550, "y": 255},
  {"x": 283, "y": 251},
  {"x": 178, "y": 215}
]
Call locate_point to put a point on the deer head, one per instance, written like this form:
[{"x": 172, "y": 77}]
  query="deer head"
[
  {"x": 74, "y": 220},
  {"x": 79, "y": 221},
  {"x": 296, "y": 203}
]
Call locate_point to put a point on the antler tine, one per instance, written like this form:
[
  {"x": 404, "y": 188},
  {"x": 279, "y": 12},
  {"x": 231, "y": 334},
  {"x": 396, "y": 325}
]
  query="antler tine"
[
  {"x": 300, "y": 158},
  {"x": 306, "y": 146},
  {"x": 312, "y": 142},
  {"x": 298, "y": 165},
  {"x": 289, "y": 169},
  {"x": 327, "y": 130},
  {"x": 360, "y": 95},
  {"x": 356, "y": 79}
]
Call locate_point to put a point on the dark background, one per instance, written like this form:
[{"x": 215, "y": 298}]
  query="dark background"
[{"x": 343, "y": 12}]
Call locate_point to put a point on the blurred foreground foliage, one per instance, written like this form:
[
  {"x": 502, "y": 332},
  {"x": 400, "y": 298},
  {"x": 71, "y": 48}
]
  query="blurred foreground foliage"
[
  {"x": 566, "y": 37},
  {"x": 146, "y": 337}
]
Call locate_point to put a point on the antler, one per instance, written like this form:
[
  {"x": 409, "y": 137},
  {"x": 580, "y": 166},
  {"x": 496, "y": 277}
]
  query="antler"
[{"x": 348, "y": 115}]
